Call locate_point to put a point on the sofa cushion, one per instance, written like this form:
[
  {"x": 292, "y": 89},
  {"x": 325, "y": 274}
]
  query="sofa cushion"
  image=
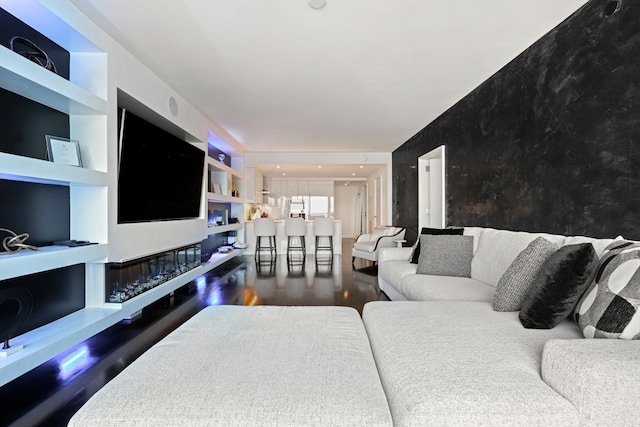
[
  {"x": 461, "y": 363},
  {"x": 423, "y": 287},
  {"x": 445, "y": 255},
  {"x": 610, "y": 308},
  {"x": 496, "y": 250},
  {"x": 521, "y": 274},
  {"x": 563, "y": 279},
  {"x": 393, "y": 271},
  {"x": 600, "y": 377},
  {"x": 415, "y": 254}
]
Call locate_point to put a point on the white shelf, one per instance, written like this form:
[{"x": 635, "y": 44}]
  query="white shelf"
[
  {"x": 18, "y": 168},
  {"x": 224, "y": 228},
  {"x": 21, "y": 76},
  {"x": 48, "y": 258},
  {"x": 219, "y": 258},
  {"x": 221, "y": 198},
  {"x": 46, "y": 342},
  {"x": 222, "y": 167}
]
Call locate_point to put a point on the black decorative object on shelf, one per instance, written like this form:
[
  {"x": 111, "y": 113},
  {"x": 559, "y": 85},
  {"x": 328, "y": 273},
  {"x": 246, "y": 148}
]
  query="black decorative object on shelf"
[
  {"x": 16, "y": 304},
  {"x": 25, "y": 47},
  {"x": 33, "y": 45}
]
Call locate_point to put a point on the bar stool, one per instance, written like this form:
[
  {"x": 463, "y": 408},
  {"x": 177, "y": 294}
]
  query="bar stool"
[
  {"x": 295, "y": 229},
  {"x": 265, "y": 227},
  {"x": 323, "y": 229}
]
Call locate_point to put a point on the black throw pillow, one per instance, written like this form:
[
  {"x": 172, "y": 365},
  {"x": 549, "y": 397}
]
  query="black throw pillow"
[
  {"x": 434, "y": 232},
  {"x": 564, "y": 277}
]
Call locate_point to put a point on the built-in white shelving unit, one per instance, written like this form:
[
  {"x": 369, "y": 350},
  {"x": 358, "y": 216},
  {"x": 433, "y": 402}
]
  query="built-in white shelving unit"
[
  {"x": 225, "y": 177},
  {"x": 88, "y": 111},
  {"x": 85, "y": 98},
  {"x": 228, "y": 180}
]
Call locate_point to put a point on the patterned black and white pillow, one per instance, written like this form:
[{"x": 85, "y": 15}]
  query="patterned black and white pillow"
[{"x": 611, "y": 306}]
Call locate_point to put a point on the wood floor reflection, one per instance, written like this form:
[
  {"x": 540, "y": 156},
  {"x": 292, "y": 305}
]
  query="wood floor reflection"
[{"x": 50, "y": 394}]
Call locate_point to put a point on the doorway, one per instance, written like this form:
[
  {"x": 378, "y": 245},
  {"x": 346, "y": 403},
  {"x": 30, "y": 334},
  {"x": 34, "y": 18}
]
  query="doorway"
[
  {"x": 431, "y": 189},
  {"x": 378, "y": 219}
]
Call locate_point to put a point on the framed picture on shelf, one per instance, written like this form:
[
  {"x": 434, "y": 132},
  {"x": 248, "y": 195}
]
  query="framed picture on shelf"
[
  {"x": 216, "y": 188},
  {"x": 64, "y": 151}
]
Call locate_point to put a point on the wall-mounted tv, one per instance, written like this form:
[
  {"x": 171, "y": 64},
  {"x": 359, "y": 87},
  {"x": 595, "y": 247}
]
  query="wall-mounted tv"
[{"x": 160, "y": 175}]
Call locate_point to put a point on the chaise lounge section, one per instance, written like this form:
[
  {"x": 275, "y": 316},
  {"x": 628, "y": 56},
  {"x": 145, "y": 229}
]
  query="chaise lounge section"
[{"x": 249, "y": 366}]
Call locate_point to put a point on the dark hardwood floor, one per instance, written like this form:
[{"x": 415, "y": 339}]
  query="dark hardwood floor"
[{"x": 50, "y": 394}]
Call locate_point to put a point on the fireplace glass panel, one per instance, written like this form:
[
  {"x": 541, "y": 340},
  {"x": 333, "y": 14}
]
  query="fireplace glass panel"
[{"x": 126, "y": 280}]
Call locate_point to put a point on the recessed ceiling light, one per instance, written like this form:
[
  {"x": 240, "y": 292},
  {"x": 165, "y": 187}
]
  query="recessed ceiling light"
[
  {"x": 353, "y": 174},
  {"x": 361, "y": 166},
  {"x": 278, "y": 167},
  {"x": 283, "y": 174},
  {"x": 319, "y": 166}
]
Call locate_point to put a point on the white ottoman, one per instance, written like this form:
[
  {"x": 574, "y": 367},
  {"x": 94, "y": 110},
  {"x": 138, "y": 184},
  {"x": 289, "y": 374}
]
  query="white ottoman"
[{"x": 249, "y": 366}]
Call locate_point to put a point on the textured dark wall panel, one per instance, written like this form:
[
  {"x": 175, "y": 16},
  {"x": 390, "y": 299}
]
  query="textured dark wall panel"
[
  {"x": 549, "y": 143},
  {"x": 42, "y": 210},
  {"x": 55, "y": 294},
  {"x": 24, "y": 124}
]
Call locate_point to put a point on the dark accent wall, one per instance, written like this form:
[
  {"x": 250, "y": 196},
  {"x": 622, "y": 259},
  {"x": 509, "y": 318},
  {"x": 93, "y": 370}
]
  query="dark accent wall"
[
  {"x": 551, "y": 142},
  {"x": 25, "y": 124},
  {"x": 42, "y": 210}
]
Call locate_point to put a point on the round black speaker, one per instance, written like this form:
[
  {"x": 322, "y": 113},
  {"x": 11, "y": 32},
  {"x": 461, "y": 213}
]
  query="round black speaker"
[{"x": 15, "y": 308}]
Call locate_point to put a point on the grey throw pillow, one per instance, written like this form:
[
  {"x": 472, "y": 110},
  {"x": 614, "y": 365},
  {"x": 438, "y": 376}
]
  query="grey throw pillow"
[
  {"x": 445, "y": 255},
  {"x": 521, "y": 274}
]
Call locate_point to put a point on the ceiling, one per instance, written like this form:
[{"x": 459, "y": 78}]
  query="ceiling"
[
  {"x": 304, "y": 170},
  {"x": 353, "y": 76}
]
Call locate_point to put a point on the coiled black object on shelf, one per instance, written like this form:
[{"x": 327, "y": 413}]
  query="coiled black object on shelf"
[{"x": 31, "y": 51}]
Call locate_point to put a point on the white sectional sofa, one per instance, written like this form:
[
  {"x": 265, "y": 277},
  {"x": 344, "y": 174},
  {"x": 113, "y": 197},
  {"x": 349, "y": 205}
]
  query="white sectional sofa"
[{"x": 445, "y": 359}]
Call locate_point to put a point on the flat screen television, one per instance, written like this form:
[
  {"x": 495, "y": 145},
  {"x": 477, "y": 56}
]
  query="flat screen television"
[{"x": 160, "y": 175}]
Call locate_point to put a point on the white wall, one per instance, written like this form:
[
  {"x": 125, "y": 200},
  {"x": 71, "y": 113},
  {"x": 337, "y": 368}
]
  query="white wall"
[
  {"x": 384, "y": 172},
  {"x": 385, "y": 176},
  {"x": 346, "y": 197}
]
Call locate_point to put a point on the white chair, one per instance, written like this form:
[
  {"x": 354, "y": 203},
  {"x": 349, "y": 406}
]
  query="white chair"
[
  {"x": 323, "y": 229},
  {"x": 265, "y": 227},
  {"x": 295, "y": 229},
  {"x": 368, "y": 246}
]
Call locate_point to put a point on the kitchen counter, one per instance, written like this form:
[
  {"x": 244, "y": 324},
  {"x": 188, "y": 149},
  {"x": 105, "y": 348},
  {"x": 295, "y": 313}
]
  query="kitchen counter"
[{"x": 281, "y": 237}]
